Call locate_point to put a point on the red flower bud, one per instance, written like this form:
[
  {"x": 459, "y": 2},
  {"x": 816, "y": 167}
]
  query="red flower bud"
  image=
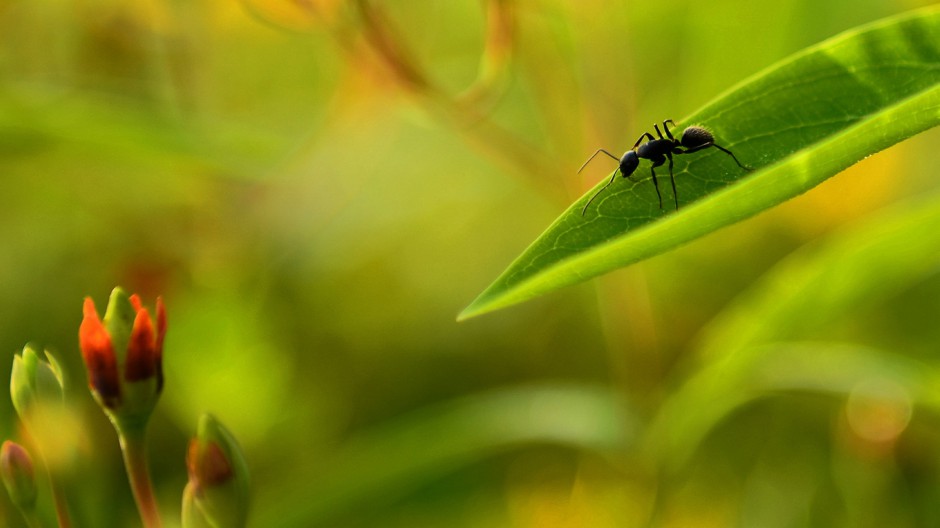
[
  {"x": 217, "y": 492},
  {"x": 98, "y": 353},
  {"x": 207, "y": 465},
  {"x": 16, "y": 472},
  {"x": 145, "y": 349},
  {"x": 123, "y": 349}
]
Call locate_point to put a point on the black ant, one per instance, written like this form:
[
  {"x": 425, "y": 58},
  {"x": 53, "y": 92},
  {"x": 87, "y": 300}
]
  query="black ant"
[{"x": 694, "y": 138}]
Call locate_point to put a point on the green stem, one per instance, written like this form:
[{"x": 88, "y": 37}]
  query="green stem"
[
  {"x": 61, "y": 507},
  {"x": 58, "y": 494},
  {"x": 31, "y": 518},
  {"x": 134, "y": 449}
]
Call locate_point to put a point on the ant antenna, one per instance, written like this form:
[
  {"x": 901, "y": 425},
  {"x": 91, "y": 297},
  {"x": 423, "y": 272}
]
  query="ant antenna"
[
  {"x": 595, "y": 154},
  {"x": 612, "y": 178}
]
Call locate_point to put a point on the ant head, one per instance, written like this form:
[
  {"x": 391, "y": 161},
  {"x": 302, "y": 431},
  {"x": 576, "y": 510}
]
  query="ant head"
[
  {"x": 629, "y": 162},
  {"x": 696, "y": 136}
]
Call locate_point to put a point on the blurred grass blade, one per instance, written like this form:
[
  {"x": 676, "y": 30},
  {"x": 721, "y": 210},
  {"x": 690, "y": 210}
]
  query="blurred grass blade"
[
  {"x": 835, "y": 369},
  {"x": 426, "y": 445},
  {"x": 746, "y": 347},
  {"x": 797, "y": 123},
  {"x": 814, "y": 287},
  {"x": 35, "y": 117}
]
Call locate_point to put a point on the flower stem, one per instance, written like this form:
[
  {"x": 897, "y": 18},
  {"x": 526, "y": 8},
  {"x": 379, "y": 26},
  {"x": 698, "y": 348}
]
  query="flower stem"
[
  {"x": 134, "y": 449},
  {"x": 61, "y": 507},
  {"x": 32, "y": 519}
]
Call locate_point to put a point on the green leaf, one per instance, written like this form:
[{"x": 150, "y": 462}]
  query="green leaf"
[
  {"x": 756, "y": 348},
  {"x": 835, "y": 369},
  {"x": 797, "y": 123},
  {"x": 413, "y": 450},
  {"x": 823, "y": 282},
  {"x": 35, "y": 117}
]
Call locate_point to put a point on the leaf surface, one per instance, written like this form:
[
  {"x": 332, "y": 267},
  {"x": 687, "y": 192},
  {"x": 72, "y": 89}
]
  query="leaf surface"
[{"x": 797, "y": 123}]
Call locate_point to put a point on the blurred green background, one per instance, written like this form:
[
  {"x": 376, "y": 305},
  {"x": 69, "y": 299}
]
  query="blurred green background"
[{"x": 318, "y": 187}]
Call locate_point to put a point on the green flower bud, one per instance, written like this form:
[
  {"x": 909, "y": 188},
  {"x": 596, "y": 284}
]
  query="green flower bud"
[
  {"x": 38, "y": 394},
  {"x": 16, "y": 471},
  {"x": 217, "y": 492},
  {"x": 124, "y": 356},
  {"x": 35, "y": 382}
]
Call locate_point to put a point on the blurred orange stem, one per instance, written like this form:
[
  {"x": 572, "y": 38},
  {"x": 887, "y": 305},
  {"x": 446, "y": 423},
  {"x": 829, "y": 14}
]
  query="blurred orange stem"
[
  {"x": 134, "y": 449},
  {"x": 467, "y": 110},
  {"x": 61, "y": 507}
]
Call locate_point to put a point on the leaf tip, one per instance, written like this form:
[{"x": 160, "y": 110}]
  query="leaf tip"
[
  {"x": 484, "y": 303},
  {"x": 472, "y": 310}
]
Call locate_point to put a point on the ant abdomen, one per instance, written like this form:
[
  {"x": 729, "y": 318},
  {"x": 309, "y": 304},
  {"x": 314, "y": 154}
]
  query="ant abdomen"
[{"x": 696, "y": 136}]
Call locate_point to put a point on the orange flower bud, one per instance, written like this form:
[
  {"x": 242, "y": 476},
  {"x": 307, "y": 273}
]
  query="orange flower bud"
[
  {"x": 16, "y": 472},
  {"x": 124, "y": 353},
  {"x": 217, "y": 492}
]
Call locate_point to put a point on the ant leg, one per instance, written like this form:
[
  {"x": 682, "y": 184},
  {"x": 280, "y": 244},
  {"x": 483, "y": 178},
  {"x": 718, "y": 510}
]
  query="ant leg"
[
  {"x": 728, "y": 152},
  {"x": 646, "y": 135},
  {"x": 657, "y": 163},
  {"x": 595, "y": 154},
  {"x": 658, "y": 133},
  {"x": 719, "y": 147},
  {"x": 672, "y": 180},
  {"x": 612, "y": 178},
  {"x": 666, "y": 128},
  {"x": 689, "y": 150}
]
